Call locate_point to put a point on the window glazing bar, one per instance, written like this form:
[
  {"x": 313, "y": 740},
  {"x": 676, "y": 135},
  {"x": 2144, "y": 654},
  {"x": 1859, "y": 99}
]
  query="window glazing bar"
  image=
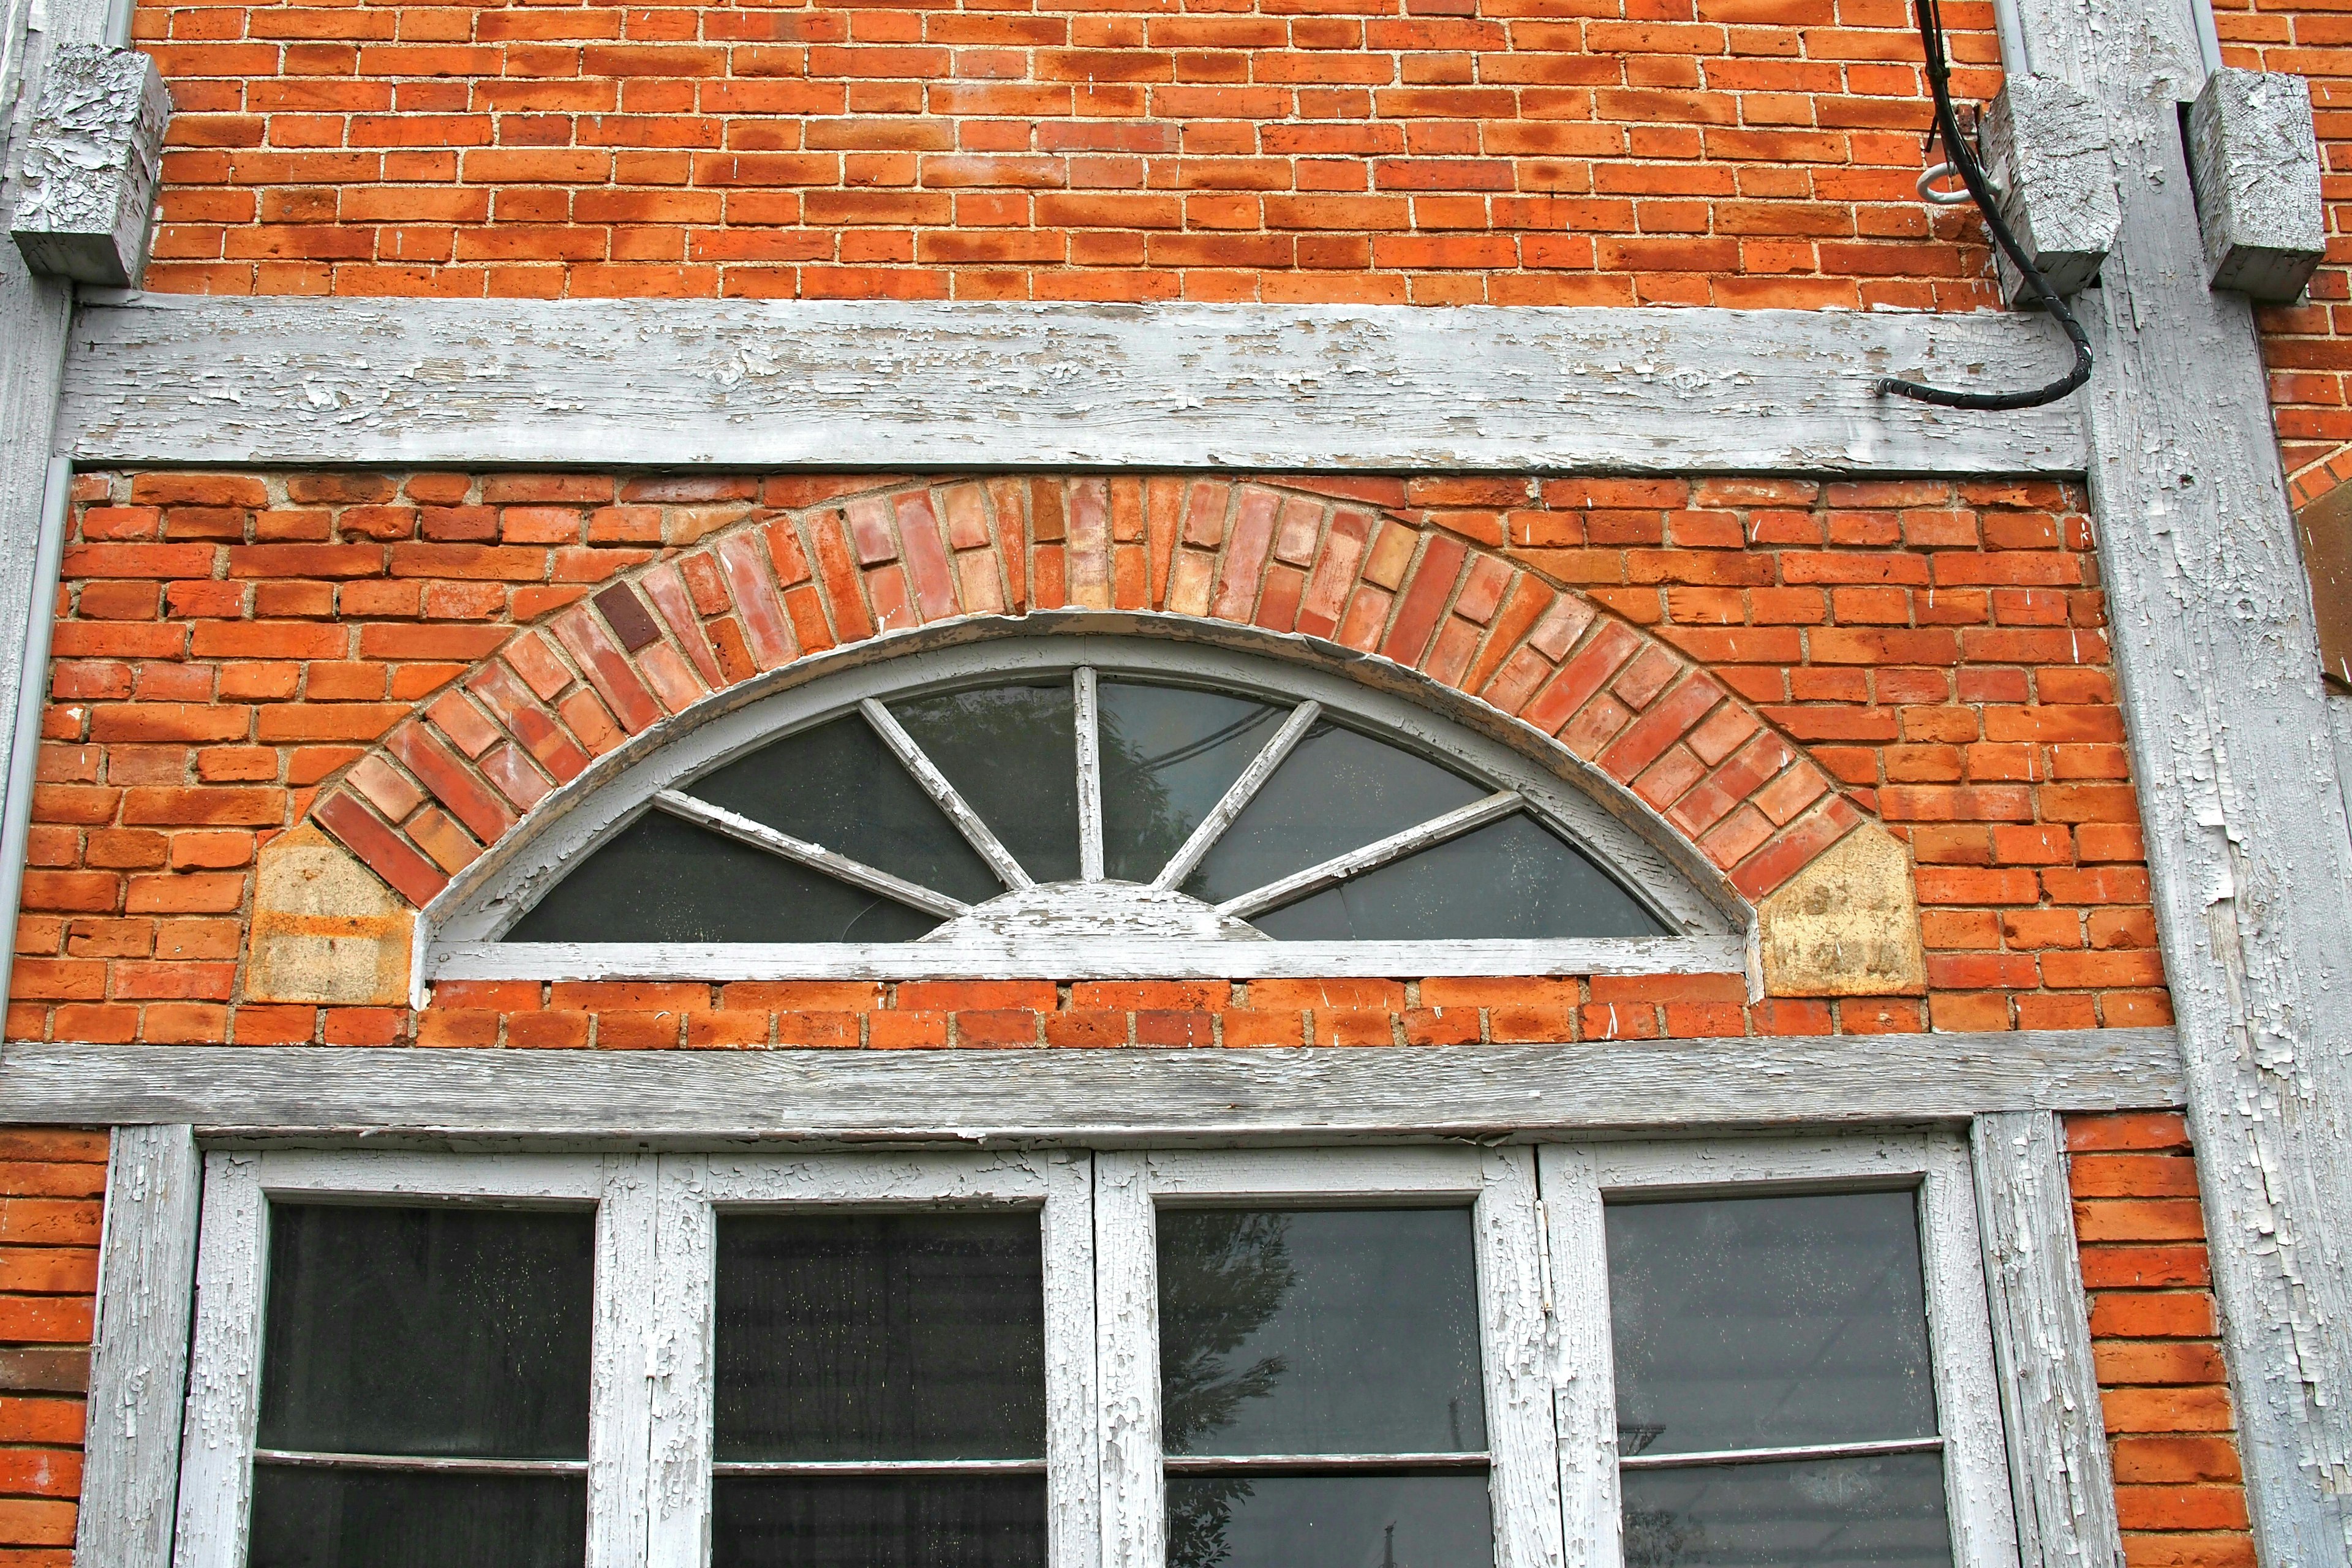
[
  {"x": 1372, "y": 855},
  {"x": 1238, "y": 794},
  {"x": 1778, "y": 1456},
  {"x": 1225, "y": 1464},
  {"x": 302, "y": 1459},
  {"x": 935, "y": 783},
  {"x": 878, "y": 1466},
  {"x": 816, "y": 857},
  {"x": 1089, "y": 717}
]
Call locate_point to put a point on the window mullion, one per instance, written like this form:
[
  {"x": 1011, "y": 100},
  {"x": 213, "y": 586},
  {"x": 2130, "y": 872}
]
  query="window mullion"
[
  {"x": 675, "y": 1362},
  {"x": 1523, "y": 1482},
  {"x": 1126, "y": 1294},
  {"x": 224, "y": 1366},
  {"x": 1960, "y": 1329},
  {"x": 1087, "y": 721},
  {"x": 1073, "y": 1437},
  {"x": 618, "y": 1415},
  {"x": 1586, "y": 1400}
]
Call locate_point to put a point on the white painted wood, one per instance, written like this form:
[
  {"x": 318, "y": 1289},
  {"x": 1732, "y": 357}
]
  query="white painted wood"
[
  {"x": 1976, "y": 1474},
  {"x": 1371, "y": 857},
  {"x": 1730, "y": 1456},
  {"x": 1305, "y": 1175},
  {"x": 2249, "y": 855},
  {"x": 625, "y": 1325},
  {"x": 1516, "y": 1337},
  {"x": 2060, "y": 1474},
  {"x": 1073, "y": 1518},
  {"x": 224, "y": 1366},
  {"x": 1037, "y": 950},
  {"x": 1126, "y": 1360},
  {"x": 760, "y": 835},
  {"x": 1239, "y": 793},
  {"x": 1082, "y": 917},
  {"x": 316, "y": 1173},
  {"x": 675, "y": 1362},
  {"x": 1585, "y": 1401},
  {"x": 2339, "y": 725},
  {"x": 1089, "y": 717},
  {"x": 1657, "y": 866},
  {"x": 2253, "y": 153},
  {"x": 29, "y": 695},
  {"x": 902, "y": 388},
  {"x": 1099, "y": 1099},
  {"x": 139, "y": 1349},
  {"x": 86, "y": 167},
  {"x": 935, "y": 783}
]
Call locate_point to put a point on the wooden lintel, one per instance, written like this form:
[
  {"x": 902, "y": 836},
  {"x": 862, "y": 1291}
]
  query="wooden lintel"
[
  {"x": 1100, "y": 1099},
  {"x": 880, "y": 385}
]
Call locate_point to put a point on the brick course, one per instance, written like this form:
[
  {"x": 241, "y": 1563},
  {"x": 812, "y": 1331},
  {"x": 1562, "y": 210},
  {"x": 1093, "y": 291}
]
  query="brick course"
[
  {"x": 415, "y": 658},
  {"x": 1431, "y": 151},
  {"x": 52, "y": 1190}
]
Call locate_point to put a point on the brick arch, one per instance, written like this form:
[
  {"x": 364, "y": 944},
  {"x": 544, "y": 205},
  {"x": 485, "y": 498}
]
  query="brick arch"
[{"x": 782, "y": 586}]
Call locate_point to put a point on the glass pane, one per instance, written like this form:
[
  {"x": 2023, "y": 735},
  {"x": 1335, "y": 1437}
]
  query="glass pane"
[
  {"x": 838, "y": 785},
  {"x": 1881, "y": 1512},
  {"x": 1768, "y": 1322},
  {"x": 660, "y": 880},
  {"x": 1328, "y": 1521},
  {"x": 914, "y": 1522},
  {"x": 906, "y": 1336},
  {"x": 347, "y": 1519},
  {"x": 1012, "y": 753},
  {"x": 1319, "y": 1331},
  {"x": 1169, "y": 755},
  {"x": 1336, "y": 792},
  {"x": 427, "y": 1331},
  {"x": 1510, "y": 878}
]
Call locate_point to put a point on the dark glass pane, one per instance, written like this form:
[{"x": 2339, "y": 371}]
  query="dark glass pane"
[
  {"x": 913, "y": 1522},
  {"x": 1319, "y": 1331},
  {"x": 1881, "y": 1512},
  {"x": 908, "y": 1336},
  {"x": 1509, "y": 878},
  {"x": 1012, "y": 752},
  {"x": 1336, "y": 792},
  {"x": 1770, "y": 1321},
  {"x": 1328, "y": 1521},
  {"x": 660, "y": 880},
  {"x": 1169, "y": 755},
  {"x": 838, "y": 785},
  {"x": 427, "y": 1331},
  {"x": 351, "y": 1519}
]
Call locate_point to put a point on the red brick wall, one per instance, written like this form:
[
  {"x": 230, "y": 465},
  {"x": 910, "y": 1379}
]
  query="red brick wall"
[
  {"x": 2166, "y": 1396},
  {"x": 52, "y": 1187},
  {"x": 230, "y": 646},
  {"x": 1436, "y": 151}
]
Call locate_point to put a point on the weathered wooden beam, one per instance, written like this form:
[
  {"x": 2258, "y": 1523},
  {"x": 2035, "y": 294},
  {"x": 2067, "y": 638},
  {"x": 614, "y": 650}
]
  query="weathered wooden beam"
[
  {"x": 1098, "y": 1098},
  {"x": 138, "y": 1360},
  {"x": 2059, "y": 1475},
  {"x": 2248, "y": 849},
  {"x": 742, "y": 384}
]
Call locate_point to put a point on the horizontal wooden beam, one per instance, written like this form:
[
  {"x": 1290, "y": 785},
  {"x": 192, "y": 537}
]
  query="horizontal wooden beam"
[
  {"x": 159, "y": 379},
  {"x": 1103, "y": 1099}
]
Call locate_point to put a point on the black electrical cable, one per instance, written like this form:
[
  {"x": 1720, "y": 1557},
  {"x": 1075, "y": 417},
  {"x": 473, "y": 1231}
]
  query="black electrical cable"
[{"x": 1955, "y": 150}]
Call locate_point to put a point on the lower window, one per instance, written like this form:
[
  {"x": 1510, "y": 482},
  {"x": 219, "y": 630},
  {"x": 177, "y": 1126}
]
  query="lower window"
[{"x": 1757, "y": 1352}]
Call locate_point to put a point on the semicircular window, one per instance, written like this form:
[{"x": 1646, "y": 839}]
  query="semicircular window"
[{"x": 1084, "y": 805}]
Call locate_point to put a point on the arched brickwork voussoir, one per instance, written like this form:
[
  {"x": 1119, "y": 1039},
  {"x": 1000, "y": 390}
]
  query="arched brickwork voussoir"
[{"x": 781, "y": 586}]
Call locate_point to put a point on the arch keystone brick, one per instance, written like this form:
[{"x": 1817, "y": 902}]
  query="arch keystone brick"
[
  {"x": 324, "y": 929},
  {"x": 1846, "y": 925}
]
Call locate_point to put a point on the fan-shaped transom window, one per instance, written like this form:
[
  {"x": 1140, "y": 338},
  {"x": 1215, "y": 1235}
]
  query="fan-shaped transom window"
[{"x": 1121, "y": 797}]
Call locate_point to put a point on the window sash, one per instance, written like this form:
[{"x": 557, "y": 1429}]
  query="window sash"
[
  {"x": 1578, "y": 1179},
  {"x": 1543, "y": 1301}
]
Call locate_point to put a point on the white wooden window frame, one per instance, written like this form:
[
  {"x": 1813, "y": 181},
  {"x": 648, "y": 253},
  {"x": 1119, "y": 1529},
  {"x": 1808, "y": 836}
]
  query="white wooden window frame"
[
  {"x": 1578, "y": 1179},
  {"x": 459, "y": 936},
  {"x": 1543, "y": 1304},
  {"x": 1498, "y": 1187}
]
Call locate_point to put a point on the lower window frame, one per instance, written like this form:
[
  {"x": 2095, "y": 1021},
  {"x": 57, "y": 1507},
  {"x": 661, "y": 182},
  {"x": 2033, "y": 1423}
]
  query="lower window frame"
[{"x": 1542, "y": 1284}]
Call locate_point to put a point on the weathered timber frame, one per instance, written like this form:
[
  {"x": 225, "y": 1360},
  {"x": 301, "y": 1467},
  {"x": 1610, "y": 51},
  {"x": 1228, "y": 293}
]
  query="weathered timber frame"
[
  {"x": 1543, "y": 1300},
  {"x": 458, "y": 936}
]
